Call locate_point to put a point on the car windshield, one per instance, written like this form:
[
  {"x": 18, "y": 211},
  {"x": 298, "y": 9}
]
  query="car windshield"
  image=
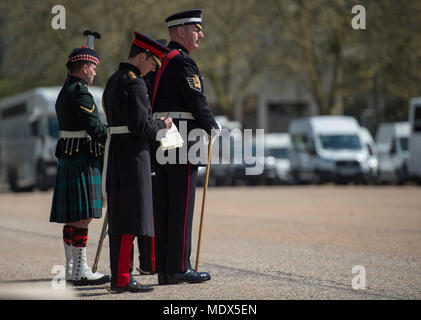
[
  {"x": 337, "y": 142},
  {"x": 279, "y": 153},
  {"x": 404, "y": 144},
  {"x": 53, "y": 127}
]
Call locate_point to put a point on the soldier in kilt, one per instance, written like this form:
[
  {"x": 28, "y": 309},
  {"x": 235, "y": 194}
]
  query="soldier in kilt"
[{"x": 77, "y": 191}]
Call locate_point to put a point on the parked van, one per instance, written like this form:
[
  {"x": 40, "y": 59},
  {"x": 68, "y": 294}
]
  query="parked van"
[
  {"x": 28, "y": 137},
  {"x": 277, "y": 165},
  {"x": 327, "y": 148},
  {"x": 393, "y": 152},
  {"x": 368, "y": 143},
  {"x": 414, "y": 161},
  {"x": 221, "y": 171}
]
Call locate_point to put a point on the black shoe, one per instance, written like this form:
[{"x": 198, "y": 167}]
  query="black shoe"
[
  {"x": 132, "y": 286},
  {"x": 162, "y": 278},
  {"x": 85, "y": 282},
  {"x": 190, "y": 276}
]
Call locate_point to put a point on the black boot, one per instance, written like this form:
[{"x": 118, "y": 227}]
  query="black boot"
[
  {"x": 132, "y": 286},
  {"x": 190, "y": 276}
]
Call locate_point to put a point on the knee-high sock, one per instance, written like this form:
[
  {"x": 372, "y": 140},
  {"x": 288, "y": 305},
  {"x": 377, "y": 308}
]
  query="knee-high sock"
[{"x": 79, "y": 237}]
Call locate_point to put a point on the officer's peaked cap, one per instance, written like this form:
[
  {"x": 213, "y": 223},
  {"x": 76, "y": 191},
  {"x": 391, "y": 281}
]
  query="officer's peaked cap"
[
  {"x": 150, "y": 45},
  {"x": 193, "y": 16}
]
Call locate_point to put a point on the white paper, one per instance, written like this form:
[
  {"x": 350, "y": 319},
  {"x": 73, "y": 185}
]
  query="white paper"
[{"x": 172, "y": 139}]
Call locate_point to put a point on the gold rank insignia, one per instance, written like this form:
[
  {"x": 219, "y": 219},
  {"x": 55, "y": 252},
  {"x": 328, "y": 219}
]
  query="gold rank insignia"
[
  {"x": 89, "y": 110},
  {"x": 194, "y": 82},
  {"x": 132, "y": 75}
]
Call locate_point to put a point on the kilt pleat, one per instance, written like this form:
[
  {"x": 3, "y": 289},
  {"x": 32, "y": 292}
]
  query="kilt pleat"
[{"x": 77, "y": 191}]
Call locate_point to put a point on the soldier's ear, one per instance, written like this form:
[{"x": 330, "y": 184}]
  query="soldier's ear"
[
  {"x": 142, "y": 57},
  {"x": 181, "y": 31},
  {"x": 85, "y": 68}
]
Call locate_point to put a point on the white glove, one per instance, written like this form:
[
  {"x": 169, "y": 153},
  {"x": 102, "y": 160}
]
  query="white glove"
[{"x": 216, "y": 132}]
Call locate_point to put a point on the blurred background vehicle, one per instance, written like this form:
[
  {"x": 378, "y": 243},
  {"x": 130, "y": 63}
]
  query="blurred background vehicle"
[
  {"x": 414, "y": 161},
  {"x": 327, "y": 148},
  {"x": 223, "y": 153},
  {"x": 28, "y": 137},
  {"x": 348, "y": 73},
  {"x": 368, "y": 143},
  {"x": 392, "y": 145},
  {"x": 277, "y": 164}
]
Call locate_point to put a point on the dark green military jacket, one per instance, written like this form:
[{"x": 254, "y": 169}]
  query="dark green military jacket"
[{"x": 76, "y": 110}]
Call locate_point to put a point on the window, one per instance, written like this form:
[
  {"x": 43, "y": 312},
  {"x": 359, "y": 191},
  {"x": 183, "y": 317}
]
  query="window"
[
  {"x": 278, "y": 153},
  {"x": 13, "y": 111},
  {"x": 417, "y": 119},
  {"x": 53, "y": 127},
  {"x": 299, "y": 142},
  {"x": 404, "y": 144},
  {"x": 338, "y": 142}
]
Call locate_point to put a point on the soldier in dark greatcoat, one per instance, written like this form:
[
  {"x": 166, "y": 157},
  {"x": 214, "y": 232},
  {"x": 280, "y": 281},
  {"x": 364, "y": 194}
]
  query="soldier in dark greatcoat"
[
  {"x": 77, "y": 191},
  {"x": 128, "y": 168},
  {"x": 179, "y": 93}
]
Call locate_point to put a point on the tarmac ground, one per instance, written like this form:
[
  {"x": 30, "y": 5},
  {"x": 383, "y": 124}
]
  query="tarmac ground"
[{"x": 258, "y": 243}]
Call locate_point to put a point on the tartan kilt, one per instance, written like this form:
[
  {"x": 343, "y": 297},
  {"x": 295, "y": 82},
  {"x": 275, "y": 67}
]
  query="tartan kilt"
[{"x": 77, "y": 191}]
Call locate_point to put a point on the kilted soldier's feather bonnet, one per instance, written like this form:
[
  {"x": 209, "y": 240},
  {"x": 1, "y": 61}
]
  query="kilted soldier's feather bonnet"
[{"x": 85, "y": 53}]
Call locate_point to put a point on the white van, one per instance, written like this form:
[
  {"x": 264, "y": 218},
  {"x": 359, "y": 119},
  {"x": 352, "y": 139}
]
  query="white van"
[
  {"x": 327, "y": 148},
  {"x": 277, "y": 165},
  {"x": 28, "y": 137},
  {"x": 414, "y": 161},
  {"x": 392, "y": 147},
  {"x": 368, "y": 143}
]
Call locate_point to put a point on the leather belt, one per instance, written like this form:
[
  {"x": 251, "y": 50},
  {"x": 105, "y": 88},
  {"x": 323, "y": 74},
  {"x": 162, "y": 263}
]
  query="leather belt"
[{"x": 73, "y": 134}]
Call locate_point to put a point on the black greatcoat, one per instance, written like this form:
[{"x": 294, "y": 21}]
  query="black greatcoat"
[{"x": 129, "y": 184}]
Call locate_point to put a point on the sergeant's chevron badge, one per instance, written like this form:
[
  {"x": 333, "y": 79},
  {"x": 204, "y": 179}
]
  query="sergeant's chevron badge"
[{"x": 194, "y": 82}]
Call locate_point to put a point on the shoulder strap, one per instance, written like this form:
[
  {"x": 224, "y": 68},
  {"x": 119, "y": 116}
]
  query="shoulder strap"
[{"x": 164, "y": 64}]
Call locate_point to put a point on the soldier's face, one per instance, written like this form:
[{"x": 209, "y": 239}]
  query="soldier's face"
[
  {"x": 146, "y": 64},
  {"x": 151, "y": 64},
  {"x": 90, "y": 73},
  {"x": 192, "y": 36}
]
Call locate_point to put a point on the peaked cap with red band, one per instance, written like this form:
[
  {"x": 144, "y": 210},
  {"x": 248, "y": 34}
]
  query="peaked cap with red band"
[{"x": 157, "y": 50}]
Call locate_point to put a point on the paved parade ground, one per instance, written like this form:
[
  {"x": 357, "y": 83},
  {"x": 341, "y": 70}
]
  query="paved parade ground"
[{"x": 258, "y": 243}]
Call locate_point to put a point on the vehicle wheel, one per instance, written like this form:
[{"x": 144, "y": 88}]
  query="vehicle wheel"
[
  {"x": 13, "y": 182},
  {"x": 42, "y": 177},
  {"x": 12, "y": 176},
  {"x": 402, "y": 175},
  {"x": 296, "y": 178},
  {"x": 317, "y": 178}
]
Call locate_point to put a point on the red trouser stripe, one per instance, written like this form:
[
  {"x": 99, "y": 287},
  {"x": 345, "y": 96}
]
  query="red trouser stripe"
[
  {"x": 153, "y": 258},
  {"x": 123, "y": 273},
  {"x": 185, "y": 219}
]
